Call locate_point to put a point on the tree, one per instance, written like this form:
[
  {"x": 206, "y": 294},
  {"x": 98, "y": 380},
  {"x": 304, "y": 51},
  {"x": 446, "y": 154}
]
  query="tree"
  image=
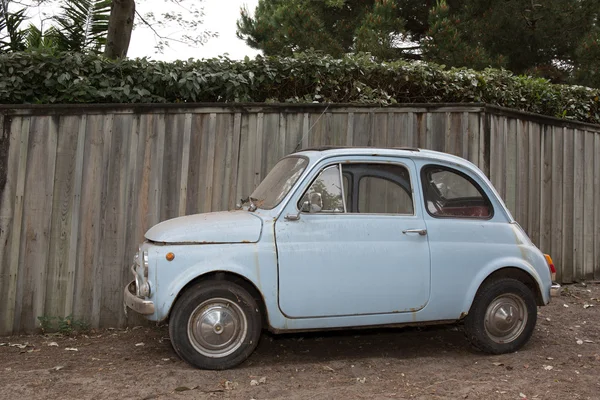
[
  {"x": 282, "y": 27},
  {"x": 120, "y": 27},
  {"x": 587, "y": 59},
  {"x": 526, "y": 36},
  {"x": 446, "y": 45}
]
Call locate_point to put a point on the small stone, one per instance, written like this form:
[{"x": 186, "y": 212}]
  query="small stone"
[
  {"x": 139, "y": 344},
  {"x": 253, "y": 382}
]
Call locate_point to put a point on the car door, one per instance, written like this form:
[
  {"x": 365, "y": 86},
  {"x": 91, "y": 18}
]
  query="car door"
[{"x": 360, "y": 248}]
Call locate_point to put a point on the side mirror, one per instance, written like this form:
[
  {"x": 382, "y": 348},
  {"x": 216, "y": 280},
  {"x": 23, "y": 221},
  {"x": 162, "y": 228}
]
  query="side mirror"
[
  {"x": 316, "y": 202},
  {"x": 295, "y": 217}
]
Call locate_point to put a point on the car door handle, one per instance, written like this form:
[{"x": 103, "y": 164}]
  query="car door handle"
[{"x": 421, "y": 232}]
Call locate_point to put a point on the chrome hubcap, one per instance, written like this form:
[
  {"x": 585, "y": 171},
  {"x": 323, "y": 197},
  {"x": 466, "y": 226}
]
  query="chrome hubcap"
[
  {"x": 505, "y": 318},
  {"x": 217, "y": 327}
]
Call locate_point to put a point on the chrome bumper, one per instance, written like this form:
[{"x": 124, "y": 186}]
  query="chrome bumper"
[
  {"x": 555, "y": 290},
  {"x": 141, "y": 306}
]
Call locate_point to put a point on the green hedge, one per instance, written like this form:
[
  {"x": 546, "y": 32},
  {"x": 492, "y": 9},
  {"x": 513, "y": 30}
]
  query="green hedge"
[{"x": 306, "y": 78}]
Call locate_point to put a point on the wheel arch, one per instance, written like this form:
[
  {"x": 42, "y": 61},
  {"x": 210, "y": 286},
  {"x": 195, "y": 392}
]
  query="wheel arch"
[
  {"x": 514, "y": 272},
  {"x": 232, "y": 277}
]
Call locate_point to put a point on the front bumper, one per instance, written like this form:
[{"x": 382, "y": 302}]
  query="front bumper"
[
  {"x": 555, "y": 290},
  {"x": 141, "y": 306}
]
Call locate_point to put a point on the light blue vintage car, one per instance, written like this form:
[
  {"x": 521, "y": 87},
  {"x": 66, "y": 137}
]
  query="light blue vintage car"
[{"x": 345, "y": 237}]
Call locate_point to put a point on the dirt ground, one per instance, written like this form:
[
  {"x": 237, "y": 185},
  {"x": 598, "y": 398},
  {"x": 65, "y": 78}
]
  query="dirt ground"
[{"x": 562, "y": 361}]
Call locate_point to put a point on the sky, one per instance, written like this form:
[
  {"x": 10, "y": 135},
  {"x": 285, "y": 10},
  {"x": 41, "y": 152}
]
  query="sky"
[{"x": 220, "y": 16}]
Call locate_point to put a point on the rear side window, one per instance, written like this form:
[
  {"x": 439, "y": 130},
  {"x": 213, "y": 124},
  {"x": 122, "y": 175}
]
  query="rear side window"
[{"x": 450, "y": 193}]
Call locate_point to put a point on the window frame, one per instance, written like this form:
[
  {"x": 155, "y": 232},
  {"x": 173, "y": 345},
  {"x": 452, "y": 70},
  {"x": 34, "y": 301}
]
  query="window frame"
[{"x": 472, "y": 181}]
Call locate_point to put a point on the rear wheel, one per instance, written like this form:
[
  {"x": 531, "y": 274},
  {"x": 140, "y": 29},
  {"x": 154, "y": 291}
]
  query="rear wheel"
[
  {"x": 502, "y": 317},
  {"x": 215, "y": 325}
]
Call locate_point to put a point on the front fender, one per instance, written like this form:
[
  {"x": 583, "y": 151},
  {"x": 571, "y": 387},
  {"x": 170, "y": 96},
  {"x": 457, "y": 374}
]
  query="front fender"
[
  {"x": 495, "y": 265},
  {"x": 193, "y": 261}
]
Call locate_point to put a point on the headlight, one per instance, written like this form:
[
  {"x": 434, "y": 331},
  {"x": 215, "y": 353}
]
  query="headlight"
[{"x": 140, "y": 271}]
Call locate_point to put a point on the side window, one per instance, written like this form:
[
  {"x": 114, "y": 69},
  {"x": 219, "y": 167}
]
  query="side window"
[
  {"x": 325, "y": 193},
  {"x": 381, "y": 196},
  {"x": 450, "y": 193}
]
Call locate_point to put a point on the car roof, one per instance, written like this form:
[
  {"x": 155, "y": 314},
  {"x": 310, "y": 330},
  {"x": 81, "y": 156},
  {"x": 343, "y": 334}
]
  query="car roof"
[{"x": 411, "y": 152}]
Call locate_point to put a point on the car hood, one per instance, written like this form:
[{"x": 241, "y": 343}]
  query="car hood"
[{"x": 216, "y": 227}]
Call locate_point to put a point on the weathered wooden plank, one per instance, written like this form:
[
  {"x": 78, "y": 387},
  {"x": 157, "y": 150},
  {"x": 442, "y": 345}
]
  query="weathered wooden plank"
[
  {"x": 428, "y": 140},
  {"x": 244, "y": 173},
  {"x": 305, "y": 131},
  {"x": 62, "y": 215},
  {"x": 235, "y": 196},
  {"x": 361, "y": 131},
  {"x": 436, "y": 131},
  {"x": 19, "y": 147},
  {"x": 37, "y": 220},
  {"x": 399, "y": 133},
  {"x": 587, "y": 211},
  {"x": 510, "y": 174},
  {"x": 220, "y": 184},
  {"x": 156, "y": 172},
  {"x": 208, "y": 153},
  {"x": 546, "y": 190},
  {"x": 557, "y": 200},
  {"x": 380, "y": 130},
  {"x": 194, "y": 191},
  {"x": 393, "y": 134},
  {"x": 257, "y": 164},
  {"x": 350, "y": 130},
  {"x": 578, "y": 204},
  {"x": 88, "y": 226},
  {"x": 495, "y": 162},
  {"x": 185, "y": 163},
  {"x": 114, "y": 214},
  {"x": 464, "y": 135},
  {"x": 521, "y": 205},
  {"x": 338, "y": 128},
  {"x": 533, "y": 197},
  {"x": 76, "y": 213},
  {"x": 568, "y": 191},
  {"x": 474, "y": 135},
  {"x": 98, "y": 263},
  {"x": 170, "y": 189},
  {"x": 597, "y": 204},
  {"x": 271, "y": 143}
]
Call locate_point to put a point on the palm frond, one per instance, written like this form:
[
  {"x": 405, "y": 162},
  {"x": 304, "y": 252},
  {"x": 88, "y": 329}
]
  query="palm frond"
[
  {"x": 83, "y": 24},
  {"x": 12, "y": 36}
]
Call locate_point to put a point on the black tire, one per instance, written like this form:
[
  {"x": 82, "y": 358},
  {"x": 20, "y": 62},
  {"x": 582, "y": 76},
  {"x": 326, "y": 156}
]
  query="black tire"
[
  {"x": 502, "y": 317},
  {"x": 211, "y": 312}
]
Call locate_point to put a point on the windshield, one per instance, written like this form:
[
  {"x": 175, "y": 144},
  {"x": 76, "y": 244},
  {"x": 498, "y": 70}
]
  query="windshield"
[{"x": 278, "y": 182}]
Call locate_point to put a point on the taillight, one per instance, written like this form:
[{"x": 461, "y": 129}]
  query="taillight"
[{"x": 551, "y": 266}]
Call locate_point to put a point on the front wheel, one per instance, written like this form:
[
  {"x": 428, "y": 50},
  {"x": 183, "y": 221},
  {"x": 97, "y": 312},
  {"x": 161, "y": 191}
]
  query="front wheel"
[
  {"x": 502, "y": 317},
  {"x": 215, "y": 325}
]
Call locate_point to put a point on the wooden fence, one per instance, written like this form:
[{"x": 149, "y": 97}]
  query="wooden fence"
[{"x": 83, "y": 183}]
